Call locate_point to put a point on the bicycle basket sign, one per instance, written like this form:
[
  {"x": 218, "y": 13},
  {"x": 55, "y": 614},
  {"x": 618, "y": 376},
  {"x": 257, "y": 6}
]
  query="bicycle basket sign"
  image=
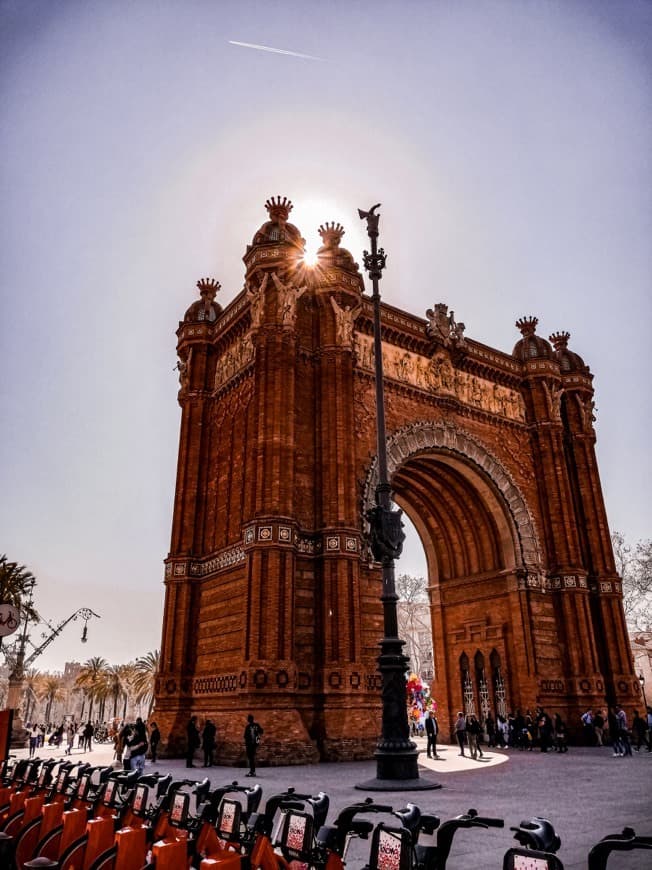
[{"x": 9, "y": 619}]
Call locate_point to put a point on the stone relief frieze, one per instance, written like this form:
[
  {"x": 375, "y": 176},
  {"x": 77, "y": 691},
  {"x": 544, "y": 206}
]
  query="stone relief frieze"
[
  {"x": 439, "y": 376},
  {"x": 233, "y": 360}
]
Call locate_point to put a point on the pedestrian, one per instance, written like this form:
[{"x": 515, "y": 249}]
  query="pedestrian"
[
  {"x": 88, "y": 735},
  {"x": 432, "y": 727},
  {"x": 138, "y": 746},
  {"x": 623, "y": 729},
  {"x": 34, "y": 736},
  {"x": 252, "y": 735},
  {"x": 192, "y": 740},
  {"x": 587, "y": 723},
  {"x": 208, "y": 742},
  {"x": 154, "y": 740},
  {"x": 490, "y": 725},
  {"x": 639, "y": 727},
  {"x": 649, "y": 729},
  {"x": 126, "y": 737},
  {"x": 70, "y": 738},
  {"x": 460, "y": 731},
  {"x": 598, "y": 727},
  {"x": 545, "y": 730},
  {"x": 502, "y": 732},
  {"x": 559, "y": 730},
  {"x": 473, "y": 732},
  {"x": 614, "y": 732}
]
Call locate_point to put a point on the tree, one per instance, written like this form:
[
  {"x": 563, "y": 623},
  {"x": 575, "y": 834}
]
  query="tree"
[
  {"x": 634, "y": 564},
  {"x": 145, "y": 669},
  {"x": 33, "y": 688},
  {"x": 411, "y": 589},
  {"x": 51, "y": 692},
  {"x": 115, "y": 678},
  {"x": 414, "y": 624},
  {"x": 16, "y": 584},
  {"x": 91, "y": 680}
]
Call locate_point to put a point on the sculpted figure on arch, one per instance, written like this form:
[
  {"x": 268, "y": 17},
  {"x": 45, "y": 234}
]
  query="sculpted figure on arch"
[
  {"x": 344, "y": 321},
  {"x": 256, "y": 301},
  {"x": 288, "y": 296}
]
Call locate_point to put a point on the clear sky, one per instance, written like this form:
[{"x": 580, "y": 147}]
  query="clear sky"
[{"x": 508, "y": 142}]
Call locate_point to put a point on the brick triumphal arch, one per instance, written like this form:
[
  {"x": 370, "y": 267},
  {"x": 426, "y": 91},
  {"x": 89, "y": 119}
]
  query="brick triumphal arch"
[{"x": 272, "y": 596}]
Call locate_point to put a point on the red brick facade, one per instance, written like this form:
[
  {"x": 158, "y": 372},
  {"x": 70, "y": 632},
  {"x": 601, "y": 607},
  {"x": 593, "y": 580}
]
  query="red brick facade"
[{"x": 272, "y": 600}]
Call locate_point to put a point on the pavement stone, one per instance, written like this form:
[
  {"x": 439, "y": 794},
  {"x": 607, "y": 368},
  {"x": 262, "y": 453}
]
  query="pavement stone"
[{"x": 586, "y": 793}]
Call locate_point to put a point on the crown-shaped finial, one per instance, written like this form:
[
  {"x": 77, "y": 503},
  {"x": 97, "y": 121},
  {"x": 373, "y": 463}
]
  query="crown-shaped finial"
[
  {"x": 331, "y": 234},
  {"x": 208, "y": 287},
  {"x": 527, "y": 325},
  {"x": 559, "y": 340},
  {"x": 279, "y": 209}
]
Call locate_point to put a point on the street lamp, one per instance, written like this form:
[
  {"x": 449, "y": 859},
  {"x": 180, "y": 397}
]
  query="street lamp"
[
  {"x": 396, "y": 755},
  {"x": 641, "y": 680}
]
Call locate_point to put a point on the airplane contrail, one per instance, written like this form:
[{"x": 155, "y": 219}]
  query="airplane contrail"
[{"x": 274, "y": 50}]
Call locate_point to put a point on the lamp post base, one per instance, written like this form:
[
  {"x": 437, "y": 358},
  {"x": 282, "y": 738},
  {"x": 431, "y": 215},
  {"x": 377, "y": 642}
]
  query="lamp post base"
[{"x": 397, "y": 771}]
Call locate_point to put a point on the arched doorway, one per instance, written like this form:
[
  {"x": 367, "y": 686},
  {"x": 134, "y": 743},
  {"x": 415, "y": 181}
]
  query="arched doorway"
[{"x": 481, "y": 546}]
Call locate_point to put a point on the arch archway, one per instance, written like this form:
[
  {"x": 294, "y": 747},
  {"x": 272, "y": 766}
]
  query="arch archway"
[{"x": 481, "y": 545}]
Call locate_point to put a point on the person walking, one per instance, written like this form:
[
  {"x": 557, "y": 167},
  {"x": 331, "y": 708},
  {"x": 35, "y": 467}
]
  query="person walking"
[
  {"x": 545, "y": 730},
  {"x": 473, "y": 732},
  {"x": 138, "y": 746},
  {"x": 639, "y": 727},
  {"x": 587, "y": 723},
  {"x": 623, "y": 730},
  {"x": 614, "y": 733},
  {"x": 490, "y": 725},
  {"x": 70, "y": 738},
  {"x": 560, "y": 734},
  {"x": 193, "y": 741},
  {"x": 432, "y": 727},
  {"x": 460, "y": 731},
  {"x": 154, "y": 740},
  {"x": 252, "y": 734},
  {"x": 34, "y": 735},
  {"x": 208, "y": 742},
  {"x": 598, "y": 727},
  {"x": 88, "y": 736}
]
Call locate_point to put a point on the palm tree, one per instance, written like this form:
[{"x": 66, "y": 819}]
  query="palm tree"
[
  {"x": 16, "y": 583},
  {"x": 33, "y": 686},
  {"x": 117, "y": 685},
  {"x": 90, "y": 679},
  {"x": 52, "y": 692},
  {"x": 146, "y": 668}
]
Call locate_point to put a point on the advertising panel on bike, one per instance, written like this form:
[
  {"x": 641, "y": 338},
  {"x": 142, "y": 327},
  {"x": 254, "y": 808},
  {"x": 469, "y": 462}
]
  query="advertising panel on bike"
[
  {"x": 390, "y": 849},
  {"x": 140, "y": 799},
  {"x": 524, "y": 862},
  {"x": 229, "y": 819},
  {"x": 179, "y": 810},
  {"x": 296, "y": 836},
  {"x": 82, "y": 786},
  {"x": 109, "y": 792}
]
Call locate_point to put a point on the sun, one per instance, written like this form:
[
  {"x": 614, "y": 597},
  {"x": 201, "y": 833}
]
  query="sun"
[
  {"x": 310, "y": 258},
  {"x": 311, "y": 212}
]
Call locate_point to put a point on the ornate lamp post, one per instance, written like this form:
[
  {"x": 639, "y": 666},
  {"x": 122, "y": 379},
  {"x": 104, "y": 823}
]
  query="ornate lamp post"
[{"x": 396, "y": 755}]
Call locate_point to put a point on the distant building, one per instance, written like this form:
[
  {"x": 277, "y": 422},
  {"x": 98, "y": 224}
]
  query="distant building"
[{"x": 642, "y": 650}]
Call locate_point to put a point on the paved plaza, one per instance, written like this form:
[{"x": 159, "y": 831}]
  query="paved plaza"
[{"x": 586, "y": 793}]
